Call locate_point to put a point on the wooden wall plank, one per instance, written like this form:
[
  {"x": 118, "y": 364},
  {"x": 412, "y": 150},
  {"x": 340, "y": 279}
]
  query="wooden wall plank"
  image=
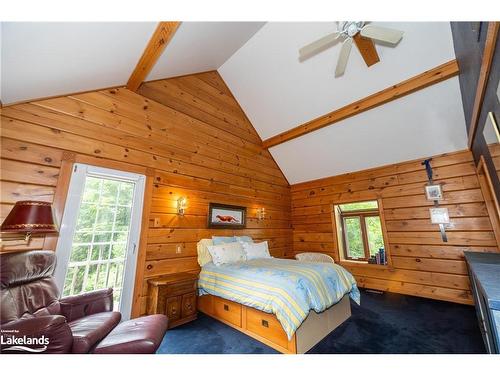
[
  {"x": 29, "y": 173},
  {"x": 30, "y": 153}
]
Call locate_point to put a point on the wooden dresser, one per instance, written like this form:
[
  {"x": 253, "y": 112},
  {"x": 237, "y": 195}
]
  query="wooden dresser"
[{"x": 174, "y": 296}]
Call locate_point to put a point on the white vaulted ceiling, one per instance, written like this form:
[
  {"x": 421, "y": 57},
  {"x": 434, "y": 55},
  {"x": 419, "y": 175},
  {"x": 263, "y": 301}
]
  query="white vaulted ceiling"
[
  {"x": 259, "y": 62},
  {"x": 41, "y": 59},
  {"x": 202, "y": 46},
  {"x": 278, "y": 92}
]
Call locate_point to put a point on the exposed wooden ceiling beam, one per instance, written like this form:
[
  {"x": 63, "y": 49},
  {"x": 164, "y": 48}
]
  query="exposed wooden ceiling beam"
[
  {"x": 367, "y": 49},
  {"x": 489, "y": 51},
  {"x": 156, "y": 45},
  {"x": 418, "y": 82}
]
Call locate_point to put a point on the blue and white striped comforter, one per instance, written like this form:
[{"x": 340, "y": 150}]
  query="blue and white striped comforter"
[{"x": 287, "y": 288}]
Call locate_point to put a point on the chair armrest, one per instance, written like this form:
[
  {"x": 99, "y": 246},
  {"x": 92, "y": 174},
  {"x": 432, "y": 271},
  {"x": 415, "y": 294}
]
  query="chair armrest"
[
  {"x": 51, "y": 333},
  {"x": 79, "y": 306}
]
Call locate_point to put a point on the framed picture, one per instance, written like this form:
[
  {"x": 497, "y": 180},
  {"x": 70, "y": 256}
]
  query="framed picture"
[
  {"x": 226, "y": 216},
  {"x": 434, "y": 192}
]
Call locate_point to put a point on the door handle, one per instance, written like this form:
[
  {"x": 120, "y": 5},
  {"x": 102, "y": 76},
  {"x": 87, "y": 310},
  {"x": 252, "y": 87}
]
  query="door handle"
[
  {"x": 226, "y": 307},
  {"x": 265, "y": 323}
]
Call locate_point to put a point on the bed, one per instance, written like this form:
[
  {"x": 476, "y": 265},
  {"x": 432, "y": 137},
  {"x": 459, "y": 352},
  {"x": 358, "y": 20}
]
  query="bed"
[{"x": 286, "y": 304}]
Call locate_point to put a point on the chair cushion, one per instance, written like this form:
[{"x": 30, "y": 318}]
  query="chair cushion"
[
  {"x": 137, "y": 336},
  {"x": 89, "y": 330},
  {"x": 24, "y": 267},
  {"x": 27, "y": 287}
]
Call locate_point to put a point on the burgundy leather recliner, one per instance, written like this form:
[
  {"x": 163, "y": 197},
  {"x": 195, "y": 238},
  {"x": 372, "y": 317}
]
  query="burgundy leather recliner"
[{"x": 30, "y": 306}]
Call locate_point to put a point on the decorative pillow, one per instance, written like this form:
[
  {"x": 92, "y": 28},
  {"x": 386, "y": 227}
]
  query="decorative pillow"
[
  {"x": 242, "y": 239},
  {"x": 219, "y": 240},
  {"x": 256, "y": 250},
  {"x": 227, "y": 253},
  {"x": 204, "y": 256}
]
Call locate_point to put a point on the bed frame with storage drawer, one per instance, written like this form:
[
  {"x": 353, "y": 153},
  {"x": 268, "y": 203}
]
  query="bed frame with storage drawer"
[{"x": 267, "y": 329}]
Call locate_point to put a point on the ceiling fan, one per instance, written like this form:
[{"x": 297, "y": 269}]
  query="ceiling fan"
[{"x": 362, "y": 33}]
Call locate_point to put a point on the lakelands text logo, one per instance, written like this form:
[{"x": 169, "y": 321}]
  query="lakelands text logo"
[{"x": 23, "y": 343}]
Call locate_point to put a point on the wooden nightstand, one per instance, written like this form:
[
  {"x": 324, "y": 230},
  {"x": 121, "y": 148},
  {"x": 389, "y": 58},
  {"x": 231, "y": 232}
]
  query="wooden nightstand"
[{"x": 174, "y": 296}]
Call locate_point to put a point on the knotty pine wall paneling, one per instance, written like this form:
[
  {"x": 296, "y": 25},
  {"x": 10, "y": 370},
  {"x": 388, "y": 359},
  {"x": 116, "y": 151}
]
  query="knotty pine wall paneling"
[
  {"x": 423, "y": 265},
  {"x": 198, "y": 144}
]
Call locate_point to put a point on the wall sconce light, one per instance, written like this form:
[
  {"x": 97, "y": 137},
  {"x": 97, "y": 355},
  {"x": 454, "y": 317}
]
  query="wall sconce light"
[
  {"x": 26, "y": 218},
  {"x": 181, "y": 205},
  {"x": 261, "y": 213}
]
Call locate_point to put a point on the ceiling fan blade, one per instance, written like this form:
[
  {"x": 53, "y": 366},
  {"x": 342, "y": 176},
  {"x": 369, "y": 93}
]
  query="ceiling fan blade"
[
  {"x": 343, "y": 57},
  {"x": 382, "y": 34},
  {"x": 367, "y": 49},
  {"x": 318, "y": 45}
]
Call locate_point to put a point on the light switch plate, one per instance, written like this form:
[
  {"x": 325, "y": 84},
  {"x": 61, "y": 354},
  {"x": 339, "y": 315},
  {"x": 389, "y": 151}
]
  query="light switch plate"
[{"x": 157, "y": 222}]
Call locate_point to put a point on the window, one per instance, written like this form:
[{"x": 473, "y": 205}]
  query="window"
[{"x": 359, "y": 230}]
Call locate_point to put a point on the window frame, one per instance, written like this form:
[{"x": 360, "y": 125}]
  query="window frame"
[{"x": 339, "y": 231}]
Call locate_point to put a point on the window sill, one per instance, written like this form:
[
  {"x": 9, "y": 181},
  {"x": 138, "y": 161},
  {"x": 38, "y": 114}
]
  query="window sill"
[{"x": 362, "y": 263}]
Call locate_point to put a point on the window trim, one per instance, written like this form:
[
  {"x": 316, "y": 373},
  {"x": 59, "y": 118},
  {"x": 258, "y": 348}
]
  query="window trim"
[{"x": 338, "y": 231}]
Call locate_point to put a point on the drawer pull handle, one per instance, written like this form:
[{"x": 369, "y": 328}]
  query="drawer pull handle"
[
  {"x": 226, "y": 307},
  {"x": 265, "y": 323}
]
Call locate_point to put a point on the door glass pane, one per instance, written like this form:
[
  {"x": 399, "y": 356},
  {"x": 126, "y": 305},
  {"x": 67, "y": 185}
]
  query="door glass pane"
[
  {"x": 98, "y": 251},
  {"x": 354, "y": 237},
  {"x": 374, "y": 232}
]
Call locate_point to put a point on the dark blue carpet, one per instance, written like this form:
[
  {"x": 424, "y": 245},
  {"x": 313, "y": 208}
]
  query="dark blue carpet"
[
  {"x": 206, "y": 335},
  {"x": 384, "y": 323}
]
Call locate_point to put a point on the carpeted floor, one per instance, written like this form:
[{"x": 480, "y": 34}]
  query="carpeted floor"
[{"x": 384, "y": 323}]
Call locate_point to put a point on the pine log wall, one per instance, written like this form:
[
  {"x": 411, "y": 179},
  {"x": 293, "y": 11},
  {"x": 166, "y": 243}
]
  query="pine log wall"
[
  {"x": 423, "y": 265},
  {"x": 195, "y": 139}
]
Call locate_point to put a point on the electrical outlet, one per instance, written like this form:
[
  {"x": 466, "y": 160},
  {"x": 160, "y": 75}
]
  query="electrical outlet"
[{"x": 179, "y": 249}]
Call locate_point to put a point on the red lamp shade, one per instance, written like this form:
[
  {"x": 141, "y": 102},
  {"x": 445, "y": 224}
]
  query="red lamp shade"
[{"x": 30, "y": 217}]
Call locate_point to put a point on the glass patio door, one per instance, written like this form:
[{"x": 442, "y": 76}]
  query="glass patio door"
[{"x": 100, "y": 233}]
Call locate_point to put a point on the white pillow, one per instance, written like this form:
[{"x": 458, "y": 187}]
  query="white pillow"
[
  {"x": 256, "y": 250},
  {"x": 227, "y": 253},
  {"x": 242, "y": 239},
  {"x": 204, "y": 256}
]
